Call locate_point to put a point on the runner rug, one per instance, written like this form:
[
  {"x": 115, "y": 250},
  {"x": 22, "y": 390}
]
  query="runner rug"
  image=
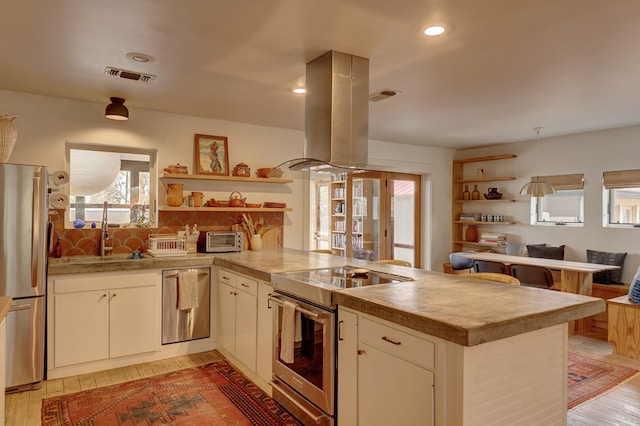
[
  {"x": 213, "y": 394},
  {"x": 589, "y": 377}
]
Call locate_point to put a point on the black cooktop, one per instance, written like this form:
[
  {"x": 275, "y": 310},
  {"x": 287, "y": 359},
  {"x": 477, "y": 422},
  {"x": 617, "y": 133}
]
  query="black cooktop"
[{"x": 347, "y": 277}]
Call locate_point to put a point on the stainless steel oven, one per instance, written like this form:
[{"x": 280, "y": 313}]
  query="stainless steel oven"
[
  {"x": 306, "y": 387},
  {"x": 311, "y": 375}
]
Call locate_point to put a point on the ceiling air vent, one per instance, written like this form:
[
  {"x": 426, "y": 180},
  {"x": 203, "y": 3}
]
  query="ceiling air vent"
[
  {"x": 129, "y": 75},
  {"x": 379, "y": 96}
]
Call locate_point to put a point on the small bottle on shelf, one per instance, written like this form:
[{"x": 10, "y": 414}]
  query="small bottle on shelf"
[
  {"x": 475, "y": 195},
  {"x": 466, "y": 195}
]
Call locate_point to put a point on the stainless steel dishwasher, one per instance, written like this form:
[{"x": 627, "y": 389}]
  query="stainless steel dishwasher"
[{"x": 186, "y": 324}]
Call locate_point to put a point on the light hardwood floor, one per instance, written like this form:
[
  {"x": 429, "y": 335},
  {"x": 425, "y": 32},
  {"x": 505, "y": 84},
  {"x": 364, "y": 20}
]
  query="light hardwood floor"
[{"x": 619, "y": 407}]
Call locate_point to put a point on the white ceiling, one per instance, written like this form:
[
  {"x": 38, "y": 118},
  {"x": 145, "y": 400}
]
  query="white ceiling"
[{"x": 506, "y": 67}]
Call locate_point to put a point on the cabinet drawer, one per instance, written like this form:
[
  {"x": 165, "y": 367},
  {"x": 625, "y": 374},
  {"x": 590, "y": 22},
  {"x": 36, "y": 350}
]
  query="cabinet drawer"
[
  {"x": 227, "y": 277},
  {"x": 247, "y": 285},
  {"x": 397, "y": 342}
]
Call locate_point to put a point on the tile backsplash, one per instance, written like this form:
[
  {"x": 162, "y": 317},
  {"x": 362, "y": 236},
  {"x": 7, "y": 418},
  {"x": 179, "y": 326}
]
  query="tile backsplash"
[{"x": 82, "y": 242}]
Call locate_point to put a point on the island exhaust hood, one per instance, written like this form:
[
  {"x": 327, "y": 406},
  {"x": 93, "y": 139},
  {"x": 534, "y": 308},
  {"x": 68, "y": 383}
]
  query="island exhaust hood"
[{"x": 336, "y": 114}]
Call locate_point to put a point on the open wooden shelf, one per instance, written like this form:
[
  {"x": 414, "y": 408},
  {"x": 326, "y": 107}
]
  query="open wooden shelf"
[
  {"x": 485, "y": 179},
  {"x": 180, "y": 176},
  {"x": 223, "y": 209},
  {"x": 483, "y": 222},
  {"x": 471, "y": 243},
  {"x": 501, "y": 200}
]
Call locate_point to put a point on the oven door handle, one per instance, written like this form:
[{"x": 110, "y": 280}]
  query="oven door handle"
[{"x": 318, "y": 315}]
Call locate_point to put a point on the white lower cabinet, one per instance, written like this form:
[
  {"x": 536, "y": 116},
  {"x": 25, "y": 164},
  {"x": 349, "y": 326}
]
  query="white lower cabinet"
[
  {"x": 385, "y": 373},
  {"x": 264, "y": 354},
  {"x": 238, "y": 313},
  {"x": 105, "y": 315}
]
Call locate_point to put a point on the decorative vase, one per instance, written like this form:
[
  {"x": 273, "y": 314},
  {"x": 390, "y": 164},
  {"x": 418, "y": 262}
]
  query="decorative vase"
[
  {"x": 466, "y": 195},
  {"x": 475, "y": 195},
  {"x": 471, "y": 234},
  {"x": 256, "y": 242},
  {"x": 8, "y": 136}
]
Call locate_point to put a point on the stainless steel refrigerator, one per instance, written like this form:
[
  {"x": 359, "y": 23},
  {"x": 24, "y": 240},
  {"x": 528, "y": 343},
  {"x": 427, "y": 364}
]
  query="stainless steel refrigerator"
[{"x": 23, "y": 259}]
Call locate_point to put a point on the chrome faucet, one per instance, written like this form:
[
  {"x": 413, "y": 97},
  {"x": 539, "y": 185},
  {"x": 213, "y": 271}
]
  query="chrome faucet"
[{"x": 104, "y": 231}]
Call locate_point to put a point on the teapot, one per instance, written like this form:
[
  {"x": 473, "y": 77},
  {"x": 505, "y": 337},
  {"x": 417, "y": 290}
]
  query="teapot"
[
  {"x": 493, "y": 194},
  {"x": 174, "y": 194},
  {"x": 241, "y": 169},
  {"x": 236, "y": 200}
]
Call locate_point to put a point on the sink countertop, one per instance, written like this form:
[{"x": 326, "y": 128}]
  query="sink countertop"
[
  {"x": 110, "y": 263},
  {"x": 462, "y": 310}
]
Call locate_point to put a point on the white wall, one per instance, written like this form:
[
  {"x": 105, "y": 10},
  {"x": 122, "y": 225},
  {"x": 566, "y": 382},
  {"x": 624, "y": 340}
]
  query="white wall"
[
  {"x": 588, "y": 153},
  {"x": 45, "y": 124}
]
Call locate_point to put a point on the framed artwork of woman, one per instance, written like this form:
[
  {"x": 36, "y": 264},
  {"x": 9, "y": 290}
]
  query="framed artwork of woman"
[{"x": 212, "y": 156}]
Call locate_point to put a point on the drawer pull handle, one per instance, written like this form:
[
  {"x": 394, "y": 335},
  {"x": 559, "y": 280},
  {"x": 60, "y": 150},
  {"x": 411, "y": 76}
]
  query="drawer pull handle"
[
  {"x": 394, "y": 342},
  {"x": 340, "y": 330},
  {"x": 244, "y": 285},
  {"x": 360, "y": 351},
  {"x": 226, "y": 278}
]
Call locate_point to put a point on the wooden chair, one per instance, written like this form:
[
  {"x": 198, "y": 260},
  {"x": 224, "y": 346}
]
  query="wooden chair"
[
  {"x": 394, "y": 262},
  {"x": 493, "y": 276},
  {"x": 322, "y": 251},
  {"x": 490, "y": 266},
  {"x": 533, "y": 276}
]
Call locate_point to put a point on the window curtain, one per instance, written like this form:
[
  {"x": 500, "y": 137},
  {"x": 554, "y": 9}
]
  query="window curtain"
[
  {"x": 563, "y": 182},
  {"x": 621, "y": 179}
]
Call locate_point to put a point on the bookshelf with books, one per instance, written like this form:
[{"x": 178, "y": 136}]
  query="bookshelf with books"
[{"x": 339, "y": 214}]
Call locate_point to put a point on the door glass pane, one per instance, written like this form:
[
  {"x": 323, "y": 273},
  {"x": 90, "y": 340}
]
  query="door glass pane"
[
  {"x": 403, "y": 220},
  {"x": 321, "y": 234},
  {"x": 365, "y": 218}
]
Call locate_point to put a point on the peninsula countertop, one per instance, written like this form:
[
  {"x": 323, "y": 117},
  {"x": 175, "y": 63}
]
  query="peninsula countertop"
[{"x": 462, "y": 310}]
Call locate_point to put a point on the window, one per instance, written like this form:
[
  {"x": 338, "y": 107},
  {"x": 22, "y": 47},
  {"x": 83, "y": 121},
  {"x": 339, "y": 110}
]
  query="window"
[
  {"x": 123, "y": 177},
  {"x": 566, "y": 207},
  {"x": 622, "y": 192}
]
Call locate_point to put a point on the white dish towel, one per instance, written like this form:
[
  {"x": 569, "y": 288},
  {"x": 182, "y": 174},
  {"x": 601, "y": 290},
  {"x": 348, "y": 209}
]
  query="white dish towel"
[
  {"x": 291, "y": 331},
  {"x": 187, "y": 290}
]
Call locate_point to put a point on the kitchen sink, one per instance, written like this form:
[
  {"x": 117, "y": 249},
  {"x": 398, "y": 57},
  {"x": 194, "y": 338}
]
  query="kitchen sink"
[{"x": 87, "y": 260}]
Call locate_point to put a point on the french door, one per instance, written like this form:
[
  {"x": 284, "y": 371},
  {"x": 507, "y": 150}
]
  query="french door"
[{"x": 383, "y": 216}]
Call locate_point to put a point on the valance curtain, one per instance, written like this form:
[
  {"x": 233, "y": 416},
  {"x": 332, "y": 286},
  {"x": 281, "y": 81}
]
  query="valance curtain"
[
  {"x": 621, "y": 179},
  {"x": 563, "y": 182},
  {"x": 92, "y": 171}
]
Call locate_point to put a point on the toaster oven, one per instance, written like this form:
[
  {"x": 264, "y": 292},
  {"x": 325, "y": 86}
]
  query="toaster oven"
[{"x": 220, "y": 241}]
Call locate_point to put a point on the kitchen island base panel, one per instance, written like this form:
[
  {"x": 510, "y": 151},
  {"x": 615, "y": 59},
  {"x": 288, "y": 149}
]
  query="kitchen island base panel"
[{"x": 520, "y": 380}]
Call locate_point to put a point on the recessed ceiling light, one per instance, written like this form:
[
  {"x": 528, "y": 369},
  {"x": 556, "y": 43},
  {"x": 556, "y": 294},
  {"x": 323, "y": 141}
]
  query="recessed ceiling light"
[
  {"x": 300, "y": 90},
  {"x": 140, "y": 57},
  {"x": 434, "y": 30}
]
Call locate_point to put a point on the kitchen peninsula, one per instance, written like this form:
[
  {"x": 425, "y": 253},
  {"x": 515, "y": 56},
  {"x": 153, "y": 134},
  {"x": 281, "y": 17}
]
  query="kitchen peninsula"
[{"x": 493, "y": 353}]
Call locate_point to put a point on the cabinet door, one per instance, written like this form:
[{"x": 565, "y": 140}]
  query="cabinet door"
[
  {"x": 348, "y": 368},
  {"x": 227, "y": 317},
  {"x": 81, "y": 324},
  {"x": 264, "y": 351},
  {"x": 134, "y": 321},
  {"x": 392, "y": 390},
  {"x": 246, "y": 328}
]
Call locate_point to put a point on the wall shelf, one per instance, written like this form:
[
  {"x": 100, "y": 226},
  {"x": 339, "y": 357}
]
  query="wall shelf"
[
  {"x": 471, "y": 243},
  {"x": 223, "y": 209},
  {"x": 501, "y": 200},
  {"x": 485, "y": 179},
  {"x": 480, "y": 222},
  {"x": 180, "y": 176}
]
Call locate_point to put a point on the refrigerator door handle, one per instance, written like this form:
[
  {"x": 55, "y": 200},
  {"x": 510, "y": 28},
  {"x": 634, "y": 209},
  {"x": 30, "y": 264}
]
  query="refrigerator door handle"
[
  {"x": 36, "y": 232},
  {"x": 20, "y": 308}
]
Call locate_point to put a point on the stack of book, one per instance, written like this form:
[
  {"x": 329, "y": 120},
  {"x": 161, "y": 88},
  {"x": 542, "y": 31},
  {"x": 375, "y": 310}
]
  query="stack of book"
[
  {"x": 493, "y": 238},
  {"x": 470, "y": 216}
]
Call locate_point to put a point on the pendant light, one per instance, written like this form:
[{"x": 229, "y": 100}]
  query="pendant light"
[
  {"x": 537, "y": 187},
  {"x": 116, "y": 110}
]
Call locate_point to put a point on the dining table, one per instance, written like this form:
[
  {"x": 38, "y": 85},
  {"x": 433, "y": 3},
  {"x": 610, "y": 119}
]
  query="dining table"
[{"x": 575, "y": 277}]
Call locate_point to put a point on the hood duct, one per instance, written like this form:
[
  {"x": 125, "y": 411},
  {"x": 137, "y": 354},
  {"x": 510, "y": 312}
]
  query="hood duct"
[{"x": 336, "y": 113}]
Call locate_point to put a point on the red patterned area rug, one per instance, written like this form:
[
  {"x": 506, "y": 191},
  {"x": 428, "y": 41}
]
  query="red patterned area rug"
[
  {"x": 589, "y": 377},
  {"x": 213, "y": 394}
]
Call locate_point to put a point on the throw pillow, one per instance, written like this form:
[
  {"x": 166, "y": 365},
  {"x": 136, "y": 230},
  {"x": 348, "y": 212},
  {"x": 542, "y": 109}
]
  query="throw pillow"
[
  {"x": 533, "y": 245},
  {"x": 634, "y": 290},
  {"x": 613, "y": 276},
  {"x": 546, "y": 252}
]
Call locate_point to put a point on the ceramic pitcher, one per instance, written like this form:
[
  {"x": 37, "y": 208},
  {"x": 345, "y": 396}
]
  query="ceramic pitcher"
[{"x": 174, "y": 194}]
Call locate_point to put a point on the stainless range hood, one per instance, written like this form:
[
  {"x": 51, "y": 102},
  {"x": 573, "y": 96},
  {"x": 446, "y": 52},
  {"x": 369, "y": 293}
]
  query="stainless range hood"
[{"x": 336, "y": 114}]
